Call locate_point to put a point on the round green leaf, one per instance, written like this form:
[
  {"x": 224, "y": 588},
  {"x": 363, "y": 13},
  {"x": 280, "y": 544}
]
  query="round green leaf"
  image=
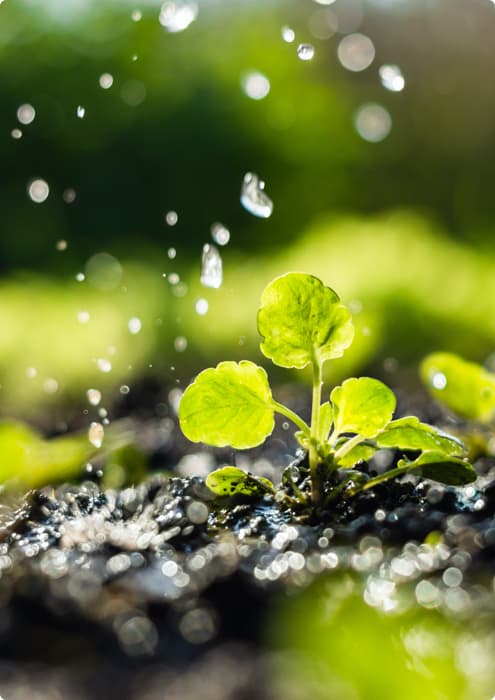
[
  {"x": 359, "y": 453},
  {"x": 363, "y": 406},
  {"x": 302, "y": 321},
  {"x": 409, "y": 434},
  {"x": 230, "y": 404},
  {"x": 448, "y": 470},
  {"x": 464, "y": 387},
  {"x": 231, "y": 481}
]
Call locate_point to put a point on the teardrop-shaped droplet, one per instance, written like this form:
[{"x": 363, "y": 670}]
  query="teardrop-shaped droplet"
[
  {"x": 96, "y": 434},
  {"x": 253, "y": 198},
  {"x": 305, "y": 52},
  {"x": 211, "y": 267}
]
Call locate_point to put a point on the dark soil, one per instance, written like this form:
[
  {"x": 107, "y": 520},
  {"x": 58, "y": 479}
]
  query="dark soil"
[{"x": 157, "y": 591}]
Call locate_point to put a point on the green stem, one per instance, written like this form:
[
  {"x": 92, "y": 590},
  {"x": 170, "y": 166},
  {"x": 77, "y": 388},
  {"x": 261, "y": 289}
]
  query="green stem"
[
  {"x": 348, "y": 446},
  {"x": 297, "y": 420},
  {"x": 314, "y": 459},
  {"x": 384, "y": 477}
]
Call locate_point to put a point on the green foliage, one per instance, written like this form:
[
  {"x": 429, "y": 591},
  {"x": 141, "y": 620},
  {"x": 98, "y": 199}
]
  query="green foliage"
[
  {"x": 302, "y": 322},
  {"x": 466, "y": 388},
  {"x": 231, "y": 481},
  {"x": 362, "y": 406},
  {"x": 229, "y": 405}
]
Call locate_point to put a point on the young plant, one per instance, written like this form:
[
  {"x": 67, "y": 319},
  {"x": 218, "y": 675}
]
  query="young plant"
[{"x": 301, "y": 323}]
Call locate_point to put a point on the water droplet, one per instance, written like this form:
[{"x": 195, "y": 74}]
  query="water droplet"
[
  {"x": 96, "y": 433},
  {"x": 391, "y": 78},
  {"x": 61, "y": 245},
  {"x": 220, "y": 234},
  {"x": 173, "y": 278},
  {"x": 80, "y": 111},
  {"x": 134, "y": 325},
  {"x": 253, "y": 198},
  {"x": 288, "y": 34},
  {"x": 180, "y": 343},
  {"x": 438, "y": 381},
  {"x": 305, "y": 52},
  {"x": 16, "y": 134},
  {"x": 104, "y": 272},
  {"x": 177, "y": 16},
  {"x": 26, "y": 114},
  {"x": 80, "y": 277},
  {"x": 211, "y": 267},
  {"x": 31, "y": 372},
  {"x": 136, "y": 15},
  {"x": 201, "y": 307},
  {"x": 124, "y": 389},
  {"x": 323, "y": 24},
  {"x": 38, "y": 190},
  {"x": 373, "y": 122},
  {"x": 106, "y": 80},
  {"x": 356, "y": 52},
  {"x": 50, "y": 386},
  {"x": 171, "y": 218},
  {"x": 94, "y": 396},
  {"x": 104, "y": 365},
  {"x": 83, "y": 316},
  {"x": 324, "y": 2},
  {"x": 255, "y": 85},
  {"x": 172, "y": 253},
  {"x": 69, "y": 195}
]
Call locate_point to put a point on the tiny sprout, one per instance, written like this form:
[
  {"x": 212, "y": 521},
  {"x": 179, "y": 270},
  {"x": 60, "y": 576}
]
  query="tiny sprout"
[{"x": 301, "y": 323}]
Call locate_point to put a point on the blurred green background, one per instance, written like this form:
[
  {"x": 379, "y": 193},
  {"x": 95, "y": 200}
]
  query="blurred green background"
[{"x": 123, "y": 120}]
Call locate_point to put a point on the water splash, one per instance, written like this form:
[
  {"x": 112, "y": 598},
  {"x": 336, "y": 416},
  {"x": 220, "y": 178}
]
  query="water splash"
[
  {"x": 177, "y": 16},
  {"x": 96, "y": 433},
  {"x": 305, "y": 52},
  {"x": 211, "y": 267},
  {"x": 253, "y": 197}
]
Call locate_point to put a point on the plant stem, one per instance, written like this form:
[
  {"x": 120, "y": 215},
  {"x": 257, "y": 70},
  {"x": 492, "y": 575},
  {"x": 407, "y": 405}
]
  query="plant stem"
[
  {"x": 384, "y": 477},
  {"x": 316, "y": 485},
  {"x": 347, "y": 446},
  {"x": 297, "y": 420}
]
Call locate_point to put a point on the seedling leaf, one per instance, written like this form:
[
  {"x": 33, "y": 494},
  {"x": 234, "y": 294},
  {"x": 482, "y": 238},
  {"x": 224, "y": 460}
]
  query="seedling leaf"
[
  {"x": 302, "y": 321},
  {"x": 359, "y": 453},
  {"x": 409, "y": 434},
  {"x": 448, "y": 470},
  {"x": 363, "y": 406},
  {"x": 464, "y": 387},
  {"x": 326, "y": 416},
  {"x": 230, "y": 404},
  {"x": 231, "y": 481}
]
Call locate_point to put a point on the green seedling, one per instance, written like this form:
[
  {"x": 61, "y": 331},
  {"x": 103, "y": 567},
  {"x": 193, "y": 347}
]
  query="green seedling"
[
  {"x": 466, "y": 388},
  {"x": 301, "y": 323}
]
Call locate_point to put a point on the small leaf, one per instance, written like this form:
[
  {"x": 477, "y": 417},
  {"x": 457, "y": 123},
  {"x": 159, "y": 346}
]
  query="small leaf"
[
  {"x": 439, "y": 467},
  {"x": 230, "y": 404},
  {"x": 231, "y": 481},
  {"x": 325, "y": 423},
  {"x": 409, "y": 434},
  {"x": 360, "y": 453},
  {"x": 363, "y": 406},
  {"x": 464, "y": 387},
  {"x": 302, "y": 321}
]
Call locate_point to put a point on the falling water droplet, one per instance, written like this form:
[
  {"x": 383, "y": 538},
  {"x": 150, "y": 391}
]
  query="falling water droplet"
[
  {"x": 373, "y": 122},
  {"x": 61, "y": 245},
  {"x": 201, "y": 307},
  {"x": 26, "y": 114},
  {"x": 134, "y": 325},
  {"x": 136, "y": 15},
  {"x": 16, "y": 134},
  {"x": 94, "y": 396},
  {"x": 305, "y": 52},
  {"x": 38, "y": 190},
  {"x": 106, "y": 80},
  {"x": 80, "y": 111},
  {"x": 253, "y": 198},
  {"x": 171, "y": 218},
  {"x": 288, "y": 34},
  {"x": 211, "y": 267},
  {"x": 255, "y": 85},
  {"x": 172, "y": 253},
  {"x": 180, "y": 343},
  {"x": 220, "y": 234},
  {"x": 177, "y": 16},
  {"x": 96, "y": 434},
  {"x": 104, "y": 365},
  {"x": 391, "y": 78}
]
